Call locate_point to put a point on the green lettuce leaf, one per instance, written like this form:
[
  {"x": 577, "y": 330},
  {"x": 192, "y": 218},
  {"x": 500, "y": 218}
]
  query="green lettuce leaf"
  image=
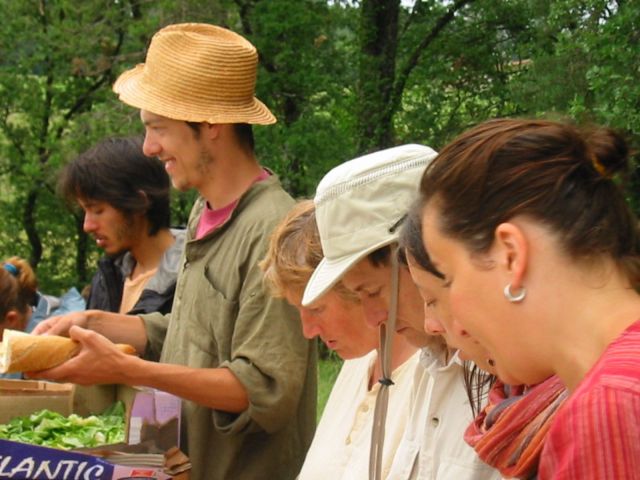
[{"x": 50, "y": 429}]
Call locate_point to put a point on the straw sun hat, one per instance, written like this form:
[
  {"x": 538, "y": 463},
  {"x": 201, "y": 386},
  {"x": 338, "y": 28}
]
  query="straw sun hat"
[{"x": 197, "y": 73}]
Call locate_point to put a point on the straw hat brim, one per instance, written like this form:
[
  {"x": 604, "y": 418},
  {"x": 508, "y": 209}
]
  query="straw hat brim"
[{"x": 133, "y": 89}]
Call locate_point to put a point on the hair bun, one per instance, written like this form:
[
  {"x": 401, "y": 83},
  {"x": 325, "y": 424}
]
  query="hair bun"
[{"x": 609, "y": 152}]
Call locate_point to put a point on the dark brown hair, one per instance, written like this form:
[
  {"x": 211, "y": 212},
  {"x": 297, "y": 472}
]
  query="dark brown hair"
[
  {"x": 476, "y": 381},
  {"x": 242, "y": 131},
  {"x": 551, "y": 171},
  {"x": 117, "y": 172},
  {"x": 411, "y": 241}
]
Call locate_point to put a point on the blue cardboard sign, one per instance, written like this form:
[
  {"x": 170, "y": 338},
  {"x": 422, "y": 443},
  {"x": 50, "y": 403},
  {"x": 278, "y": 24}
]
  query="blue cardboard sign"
[{"x": 20, "y": 461}]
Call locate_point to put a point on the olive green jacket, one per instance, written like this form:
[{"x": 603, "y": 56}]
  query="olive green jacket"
[{"x": 222, "y": 316}]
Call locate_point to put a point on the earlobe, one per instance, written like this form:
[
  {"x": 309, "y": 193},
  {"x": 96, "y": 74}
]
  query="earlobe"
[{"x": 512, "y": 252}]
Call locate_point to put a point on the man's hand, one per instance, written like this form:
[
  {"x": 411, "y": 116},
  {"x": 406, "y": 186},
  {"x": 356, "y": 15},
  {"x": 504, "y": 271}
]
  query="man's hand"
[
  {"x": 98, "y": 362},
  {"x": 116, "y": 327},
  {"x": 60, "y": 324}
]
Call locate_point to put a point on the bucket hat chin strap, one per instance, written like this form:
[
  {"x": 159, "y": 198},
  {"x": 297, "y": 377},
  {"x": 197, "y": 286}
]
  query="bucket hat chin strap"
[{"x": 382, "y": 399}]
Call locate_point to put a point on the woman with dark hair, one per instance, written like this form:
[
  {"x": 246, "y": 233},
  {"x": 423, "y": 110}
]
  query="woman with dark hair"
[
  {"x": 510, "y": 421},
  {"x": 437, "y": 316},
  {"x": 540, "y": 257}
]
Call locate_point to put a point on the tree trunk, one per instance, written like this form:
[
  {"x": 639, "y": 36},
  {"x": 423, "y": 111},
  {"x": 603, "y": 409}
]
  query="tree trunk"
[
  {"x": 29, "y": 222},
  {"x": 81, "y": 250},
  {"x": 291, "y": 104},
  {"x": 378, "y": 47}
]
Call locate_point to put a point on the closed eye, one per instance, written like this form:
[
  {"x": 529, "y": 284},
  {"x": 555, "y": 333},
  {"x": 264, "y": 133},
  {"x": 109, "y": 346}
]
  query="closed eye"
[{"x": 373, "y": 294}]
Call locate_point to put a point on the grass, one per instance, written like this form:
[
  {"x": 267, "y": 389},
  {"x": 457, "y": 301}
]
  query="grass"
[{"x": 328, "y": 369}]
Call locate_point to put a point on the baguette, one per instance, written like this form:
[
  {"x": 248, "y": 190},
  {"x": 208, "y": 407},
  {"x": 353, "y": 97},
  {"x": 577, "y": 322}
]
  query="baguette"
[{"x": 23, "y": 352}]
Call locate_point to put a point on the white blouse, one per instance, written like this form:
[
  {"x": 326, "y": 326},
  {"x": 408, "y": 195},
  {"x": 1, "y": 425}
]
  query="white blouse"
[
  {"x": 433, "y": 447},
  {"x": 340, "y": 447}
]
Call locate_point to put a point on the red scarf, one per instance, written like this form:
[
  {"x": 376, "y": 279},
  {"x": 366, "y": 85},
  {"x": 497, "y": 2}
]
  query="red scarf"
[{"x": 509, "y": 433}]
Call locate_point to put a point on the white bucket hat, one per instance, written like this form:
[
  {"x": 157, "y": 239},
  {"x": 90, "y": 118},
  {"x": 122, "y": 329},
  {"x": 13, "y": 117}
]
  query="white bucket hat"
[{"x": 359, "y": 205}]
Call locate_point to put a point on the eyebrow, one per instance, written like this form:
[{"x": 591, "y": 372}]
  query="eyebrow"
[
  {"x": 88, "y": 203},
  {"x": 151, "y": 119},
  {"x": 151, "y": 122}
]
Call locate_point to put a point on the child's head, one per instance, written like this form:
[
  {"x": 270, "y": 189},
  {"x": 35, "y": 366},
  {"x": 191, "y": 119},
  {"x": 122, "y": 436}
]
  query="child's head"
[{"x": 18, "y": 287}]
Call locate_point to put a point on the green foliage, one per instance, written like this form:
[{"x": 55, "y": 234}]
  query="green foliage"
[
  {"x": 328, "y": 369},
  {"x": 58, "y": 61},
  {"x": 302, "y": 79},
  {"x": 578, "y": 59},
  {"x": 50, "y": 79},
  {"x": 461, "y": 78}
]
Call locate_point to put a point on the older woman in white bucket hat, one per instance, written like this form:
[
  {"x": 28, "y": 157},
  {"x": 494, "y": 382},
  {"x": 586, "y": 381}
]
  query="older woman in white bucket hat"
[
  {"x": 340, "y": 447},
  {"x": 360, "y": 206},
  {"x": 236, "y": 355}
]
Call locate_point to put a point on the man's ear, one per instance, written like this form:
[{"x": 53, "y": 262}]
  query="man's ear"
[
  {"x": 144, "y": 196},
  {"x": 511, "y": 251},
  {"x": 211, "y": 131}
]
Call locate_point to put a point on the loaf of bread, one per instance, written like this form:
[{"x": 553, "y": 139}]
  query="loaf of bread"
[{"x": 23, "y": 352}]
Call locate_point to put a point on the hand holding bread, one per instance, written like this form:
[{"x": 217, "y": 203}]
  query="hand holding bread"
[{"x": 23, "y": 352}]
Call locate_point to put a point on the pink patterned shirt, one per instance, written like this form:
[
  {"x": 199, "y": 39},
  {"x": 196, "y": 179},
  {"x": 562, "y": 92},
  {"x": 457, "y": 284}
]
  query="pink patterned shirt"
[{"x": 596, "y": 434}]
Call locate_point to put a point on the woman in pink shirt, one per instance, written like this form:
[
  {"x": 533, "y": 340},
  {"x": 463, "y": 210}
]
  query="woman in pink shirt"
[{"x": 540, "y": 255}]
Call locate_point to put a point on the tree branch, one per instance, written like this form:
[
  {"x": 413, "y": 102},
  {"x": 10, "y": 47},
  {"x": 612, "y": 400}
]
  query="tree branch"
[
  {"x": 85, "y": 99},
  {"x": 414, "y": 58},
  {"x": 412, "y": 15},
  {"x": 9, "y": 133},
  {"x": 245, "y": 7}
]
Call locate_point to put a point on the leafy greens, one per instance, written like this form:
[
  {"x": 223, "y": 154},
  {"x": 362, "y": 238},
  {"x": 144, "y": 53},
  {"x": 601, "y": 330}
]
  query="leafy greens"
[{"x": 51, "y": 429}]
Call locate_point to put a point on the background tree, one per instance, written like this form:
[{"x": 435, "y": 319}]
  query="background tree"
[
  {"x": 59, "y": 60},
  {"x": 342, "y": 76},
  {"x": 51, "y": 79}
]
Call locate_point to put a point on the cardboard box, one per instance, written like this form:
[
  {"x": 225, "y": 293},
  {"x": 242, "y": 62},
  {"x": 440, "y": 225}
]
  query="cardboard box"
[
  {"x": 153, "y": 419},
  {"x": 95, "y": 399},
  {"x": 23, "y": 397},
  {"x": 153, "y": 428}
]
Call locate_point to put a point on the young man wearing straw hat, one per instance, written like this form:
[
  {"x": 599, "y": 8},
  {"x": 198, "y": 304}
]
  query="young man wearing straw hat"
[
  {"x": 236, "y": 355},
  {"x": 360, "y": 206}
]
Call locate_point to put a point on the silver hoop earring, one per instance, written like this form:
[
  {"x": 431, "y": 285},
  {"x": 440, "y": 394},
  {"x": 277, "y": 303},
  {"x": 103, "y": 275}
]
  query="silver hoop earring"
[{"x": 514, "y": 298}]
